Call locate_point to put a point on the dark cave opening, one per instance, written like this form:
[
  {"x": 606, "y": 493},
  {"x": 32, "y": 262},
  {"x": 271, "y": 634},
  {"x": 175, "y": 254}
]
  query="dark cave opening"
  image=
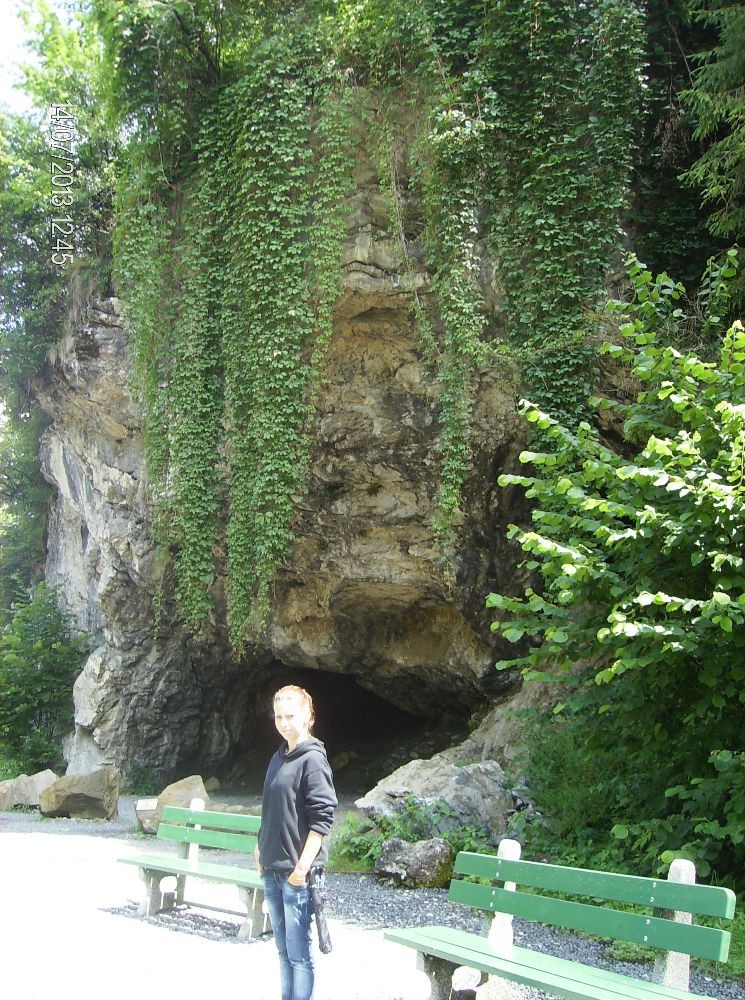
[{"x": 366, "y": 737}]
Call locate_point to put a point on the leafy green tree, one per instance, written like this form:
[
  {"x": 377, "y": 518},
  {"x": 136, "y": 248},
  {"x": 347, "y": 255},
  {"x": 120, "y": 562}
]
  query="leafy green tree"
[
  {"x": 38, "y": 297},
  {"x": 70, "y": 71},
  {"x": 717, "y": 100},
  {"x": 23, "y": 506},
  {"x": 667, "y": 223},
  {"x": 39, "y": 659},
  {"x": 639, "y": 556}
]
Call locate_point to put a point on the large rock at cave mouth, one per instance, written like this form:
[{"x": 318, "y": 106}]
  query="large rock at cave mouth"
[
  {"x": 447, "y": 796},
  {"x": 25, "y": 789},
  {"x": 83, "y": 796},
  {"x": 180, "y": 793}
]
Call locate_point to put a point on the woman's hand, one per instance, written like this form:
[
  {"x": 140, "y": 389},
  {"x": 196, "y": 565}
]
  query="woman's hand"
[
  {"x": 257, "y": 859},
  {"x": 297, "y": 876}
]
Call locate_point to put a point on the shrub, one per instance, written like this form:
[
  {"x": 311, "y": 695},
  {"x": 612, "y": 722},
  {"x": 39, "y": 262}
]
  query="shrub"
[{"x": 639, "y": 558}]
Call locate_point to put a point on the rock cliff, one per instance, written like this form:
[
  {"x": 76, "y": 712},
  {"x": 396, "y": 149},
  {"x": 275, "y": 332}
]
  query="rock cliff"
[{"x": 364, "y": 593}]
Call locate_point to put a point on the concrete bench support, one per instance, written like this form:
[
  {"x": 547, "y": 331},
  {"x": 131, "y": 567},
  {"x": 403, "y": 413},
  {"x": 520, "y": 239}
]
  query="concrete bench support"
[
  {"x": 500, "y": 933},
  {"x": 440, "y": 975},
  {"x": 256, "y": 921},
  {"x": 672, "y": 968},
  {"x": 153, "y": 898}
]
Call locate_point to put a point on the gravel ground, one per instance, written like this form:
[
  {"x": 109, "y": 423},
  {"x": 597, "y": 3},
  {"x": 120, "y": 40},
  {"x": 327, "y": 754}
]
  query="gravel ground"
[{"x": 68, "y": 923}]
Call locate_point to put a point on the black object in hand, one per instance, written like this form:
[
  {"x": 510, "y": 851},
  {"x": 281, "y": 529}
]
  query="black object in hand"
[{"x": 315, "y": 887}]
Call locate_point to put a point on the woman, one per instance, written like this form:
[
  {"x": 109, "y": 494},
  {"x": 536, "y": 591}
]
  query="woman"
[{"x": 296, "y": 815}]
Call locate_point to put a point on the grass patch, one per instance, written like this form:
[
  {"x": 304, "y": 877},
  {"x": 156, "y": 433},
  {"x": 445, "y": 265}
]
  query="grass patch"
[{"x": 734, "y": 968}]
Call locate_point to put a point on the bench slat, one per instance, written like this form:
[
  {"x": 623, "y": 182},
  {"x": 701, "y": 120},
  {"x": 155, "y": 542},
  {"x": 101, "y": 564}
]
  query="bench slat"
[
  {"x": 656, "y": 932},
  {"x": 208, "y": 871},
  {"x": 208, "y": 838},
  {"x": 212, "y": 818},
  {"x": 709, "y": 900},
  {"x": 559, "y": 976}
]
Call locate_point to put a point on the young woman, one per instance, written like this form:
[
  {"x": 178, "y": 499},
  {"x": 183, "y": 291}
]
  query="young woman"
[{"x": 296, "y": 815}]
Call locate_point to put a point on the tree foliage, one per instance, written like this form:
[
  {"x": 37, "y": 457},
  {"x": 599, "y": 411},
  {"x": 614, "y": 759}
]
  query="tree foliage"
[
  {"x": 37, "y": 297},
  {"x": 717, "y": 101},
  {"x": 39, "y": 659},
  {"x": 640, "y": 561},
  {"x": 24, "y": 496}
]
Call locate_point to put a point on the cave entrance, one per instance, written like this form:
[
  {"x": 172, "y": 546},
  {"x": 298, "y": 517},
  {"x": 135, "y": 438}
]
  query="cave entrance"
[{"x": 365, "y": 736}]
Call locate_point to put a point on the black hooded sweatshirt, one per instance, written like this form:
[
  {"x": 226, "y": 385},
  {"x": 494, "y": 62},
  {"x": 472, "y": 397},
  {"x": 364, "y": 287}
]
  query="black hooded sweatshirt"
[{"x": 298, "y": 797}]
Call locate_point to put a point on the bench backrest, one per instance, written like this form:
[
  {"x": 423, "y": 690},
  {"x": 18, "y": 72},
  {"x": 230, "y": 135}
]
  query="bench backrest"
[
  {"x": 209, "y": 828},
  {"x": 652, "y": 927}
]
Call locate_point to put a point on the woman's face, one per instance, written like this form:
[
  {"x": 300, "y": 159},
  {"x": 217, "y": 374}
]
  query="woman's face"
[{"x": 291, "y": 717}]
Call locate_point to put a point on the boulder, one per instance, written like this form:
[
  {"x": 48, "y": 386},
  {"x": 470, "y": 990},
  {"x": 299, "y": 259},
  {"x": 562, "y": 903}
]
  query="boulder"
[
  {"x": 180, "y": 793},
  {"x": 25, "y": 789},
  {"x": 426, "y": 863},
  {"x": 445, "y": 796},
  {"x": 343, "y": 759},
  {"x": 83, "y": 796}
]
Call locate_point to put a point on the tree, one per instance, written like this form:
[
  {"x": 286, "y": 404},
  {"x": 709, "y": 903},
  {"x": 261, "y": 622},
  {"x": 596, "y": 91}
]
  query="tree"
[
  {"x": 39, "y": 659},
  {"x": 24, "y": 496},
  {"x": 640, "y": 561},
  {"x": 39, "y": 296},
  {"x": 717, "y": 100}
]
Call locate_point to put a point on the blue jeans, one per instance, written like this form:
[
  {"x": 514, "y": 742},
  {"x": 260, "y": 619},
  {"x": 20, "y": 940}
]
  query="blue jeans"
[{"x": 290, "y": 913}]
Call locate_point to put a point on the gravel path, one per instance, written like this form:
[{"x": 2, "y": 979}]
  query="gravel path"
[{"x": 68, "y": 924}]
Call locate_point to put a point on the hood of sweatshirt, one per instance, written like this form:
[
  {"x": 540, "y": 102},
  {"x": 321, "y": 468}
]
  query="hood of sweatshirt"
[{"x": 301, "y": 749}]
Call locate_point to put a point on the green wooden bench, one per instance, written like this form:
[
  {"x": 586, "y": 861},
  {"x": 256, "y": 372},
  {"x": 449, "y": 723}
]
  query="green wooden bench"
[
  {"x": 192, "y": 829},
  {"x": 664, "y": 923}
]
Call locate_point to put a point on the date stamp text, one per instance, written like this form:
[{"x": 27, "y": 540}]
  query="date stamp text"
[{"x": 62, "y": 140}]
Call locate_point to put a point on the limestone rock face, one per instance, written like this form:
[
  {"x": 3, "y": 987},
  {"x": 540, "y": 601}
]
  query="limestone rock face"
[
  {"x": 138, "y": 699},
  {"x": 500, "y": 736},
  {"x": 366, "y": 586},
  {"x": 83, "y": 796},
  {"x": 364, "y": 591}
]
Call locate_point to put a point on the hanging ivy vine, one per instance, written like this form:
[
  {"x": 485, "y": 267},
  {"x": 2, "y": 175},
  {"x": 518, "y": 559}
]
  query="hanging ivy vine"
[
  {"x": 450, "y": 189},
  {"x": 141, "y": 255},
  {"x": 195, "y": 411},
  {"x": 280, "y": 220},
  {"x": 559, "y": 89},
  {"x": 252, "y": 270}
]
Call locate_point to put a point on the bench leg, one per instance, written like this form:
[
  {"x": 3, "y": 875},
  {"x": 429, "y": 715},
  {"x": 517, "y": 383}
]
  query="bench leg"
[
  {"x": 153, "y": 900},
  {"x": 255, "y": 921},
  {"x": 180, "y": 888},
  {"x": 440, "y": 975}
]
